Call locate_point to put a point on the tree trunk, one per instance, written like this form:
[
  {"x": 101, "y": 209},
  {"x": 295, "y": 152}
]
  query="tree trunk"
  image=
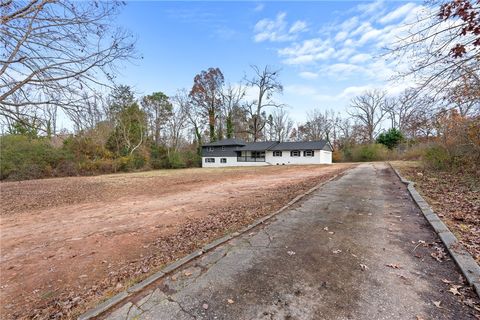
[{"x": 211, "y": 124}]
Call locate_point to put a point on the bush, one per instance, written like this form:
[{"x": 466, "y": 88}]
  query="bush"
[
  {"x": 175, "y": 161},
  {"x": 391, "y": 138},
  {"x": 22, "y": 158},
  {"x": 437, "y": 157},
  {"x": 336, "y": 156},
  {"x": 366, "y": 152}
]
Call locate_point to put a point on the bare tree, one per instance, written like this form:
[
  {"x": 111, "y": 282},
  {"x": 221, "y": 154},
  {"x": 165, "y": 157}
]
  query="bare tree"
[
  {"x": 94, "y": 110},
  {"x": 441, "y": 48},
  {"x": 192, "y": 114},
  {"x": 175, "y": 125},
  {"x": 232, "y": 97},
  {"x": 281, "y": 124},
  {"x": 50, "y": 114},
  {"x": 56, "y": 51},
  {"x": 318, "y": 125},
  {"x": 266, "y": 82},
  {"x": 369, "y": 109}
]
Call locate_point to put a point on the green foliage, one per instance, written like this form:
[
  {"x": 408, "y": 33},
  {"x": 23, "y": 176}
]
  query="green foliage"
[
  {"x": 366, "y": 152},
  {"x": 437, "y": 157},
  {"x": 27, "y": 127},
  {"x": 392, "y": 138},
  {"x": 175, "y": 160},
  {"x": 129, "y": 132},
  {"x": 121, "y": 97},
  {"x": 25, "y": 158}
]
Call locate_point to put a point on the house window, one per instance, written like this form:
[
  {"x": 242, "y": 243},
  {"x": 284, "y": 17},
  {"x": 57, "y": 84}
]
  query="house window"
[
  {"x": 209, "y": 160},
  {"x": 258, "y": 154},
  {"x": 294, "y": 153},
  {"x": 210, "y": 149},
  {"x": 223, "y": 148},
  {"x": 308, "y": 153},
  {"x": 277, "y": 153},
  {"x": 223, "y": 160}
]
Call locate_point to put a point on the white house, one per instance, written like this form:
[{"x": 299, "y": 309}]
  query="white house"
[{"x": 234, "y": 153}]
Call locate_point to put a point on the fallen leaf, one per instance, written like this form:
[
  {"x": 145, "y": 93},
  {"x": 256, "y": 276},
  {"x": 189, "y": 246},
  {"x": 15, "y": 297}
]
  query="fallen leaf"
[
  {"x": 437, "y": 303},
  {"x": 230, "y": 301},
  {"x": 454, "y": 290},
  {"x": 446, "y": 281},
  {"x": 187, "y": 273}
]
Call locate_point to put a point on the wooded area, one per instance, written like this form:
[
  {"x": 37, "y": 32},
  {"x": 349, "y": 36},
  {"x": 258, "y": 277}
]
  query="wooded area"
[{"x": 61, "y": 58}]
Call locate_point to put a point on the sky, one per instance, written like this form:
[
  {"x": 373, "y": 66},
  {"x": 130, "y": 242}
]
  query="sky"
[{"x": 327, "y": 51}]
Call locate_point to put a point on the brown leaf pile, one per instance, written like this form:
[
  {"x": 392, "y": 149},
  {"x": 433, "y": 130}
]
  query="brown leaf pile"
[{"x": 455, "y": 198}]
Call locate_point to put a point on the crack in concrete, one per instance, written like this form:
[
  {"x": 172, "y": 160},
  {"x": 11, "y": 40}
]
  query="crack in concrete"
[
  {"x": 270, "y": 238},
  {"x": 130, "y": 309},
  {"x": 149, "y": 298},
  {"x": 169, "y": 298}
]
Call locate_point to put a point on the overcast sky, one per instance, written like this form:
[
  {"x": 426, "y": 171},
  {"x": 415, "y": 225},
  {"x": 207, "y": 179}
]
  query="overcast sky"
[{"x": 328, "y": 51}]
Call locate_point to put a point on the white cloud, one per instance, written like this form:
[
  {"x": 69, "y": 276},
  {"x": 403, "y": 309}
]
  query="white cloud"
[
  {"x": 300, "y": 89},
  {"x": 398, "y": 13},
  {"x": 342, "y": 35},
  {"x": 359, "y": 58},
  {"x": 298, "y": 26},
  {"x": 371, "y": 7},
  {"x": 277, "y": 30},
  {"x": 344, "y": 59},
  {"x": 308, "y": 51},
  {"x": 369, "y": 35},
  {"x": 349, "y": 24},
  {"x": 353, "y": 91},
  {"x": 308, "y": 75}
]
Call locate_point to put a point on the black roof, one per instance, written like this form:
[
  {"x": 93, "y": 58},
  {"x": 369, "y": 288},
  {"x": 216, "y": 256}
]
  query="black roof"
[
  {"x": 225, "y": 142},
  {"x": 300, "y": 145},
  {"x": 258, "y": 146},
  {"x": 270, "y": 145}
]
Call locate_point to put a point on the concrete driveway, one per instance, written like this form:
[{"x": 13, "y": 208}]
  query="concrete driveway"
[{"x": 357, "y": 248}]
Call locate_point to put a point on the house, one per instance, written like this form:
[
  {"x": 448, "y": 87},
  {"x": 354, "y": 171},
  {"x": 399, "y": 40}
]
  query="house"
[{"x": 234, "y": 153}]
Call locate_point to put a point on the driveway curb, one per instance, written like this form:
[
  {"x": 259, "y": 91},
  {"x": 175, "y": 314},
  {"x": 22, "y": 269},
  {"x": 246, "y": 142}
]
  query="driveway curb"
[
  {"x": 466, "y": 263},
  {"x": 103, "y": 307}
]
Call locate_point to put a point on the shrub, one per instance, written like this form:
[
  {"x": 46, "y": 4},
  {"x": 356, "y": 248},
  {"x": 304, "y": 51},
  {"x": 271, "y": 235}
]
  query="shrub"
[
  {"x": 437, "y": 157},
  {"x": 175, "y": 160},
  {"x": 366, "y": 152},
  {"x": 22, "y": 157},
  {"x": 336, "y": 156},
  {"x": 391, "y": 138}
]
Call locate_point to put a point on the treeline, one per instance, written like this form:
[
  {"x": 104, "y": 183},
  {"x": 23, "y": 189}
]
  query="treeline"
[
  {"x": 124, "y": 132},
  {"x": 114, "y": 130}
]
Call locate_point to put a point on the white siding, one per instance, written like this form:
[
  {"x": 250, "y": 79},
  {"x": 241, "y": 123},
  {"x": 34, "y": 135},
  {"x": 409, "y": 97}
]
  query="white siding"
[
  {"x": 319, "y": 157},
  {"x": 231, "y": 162},
  {"x": 326, "y": 156}
]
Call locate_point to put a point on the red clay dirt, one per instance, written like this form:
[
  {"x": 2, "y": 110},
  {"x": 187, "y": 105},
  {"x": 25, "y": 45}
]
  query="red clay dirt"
[{"x": 67, "y": 243}]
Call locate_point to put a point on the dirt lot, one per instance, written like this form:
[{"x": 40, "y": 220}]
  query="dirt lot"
[{"x": 67, "y": 243}]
